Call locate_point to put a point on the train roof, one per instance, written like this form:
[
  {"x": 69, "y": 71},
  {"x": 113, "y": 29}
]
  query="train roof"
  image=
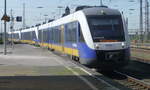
[
  {"x": 77, "y": 15},
  {"x": 101, "y": 11}
]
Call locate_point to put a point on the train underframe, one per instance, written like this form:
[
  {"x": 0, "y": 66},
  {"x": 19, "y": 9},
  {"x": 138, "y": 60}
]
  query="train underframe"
[{"x": 109, "y": 60}]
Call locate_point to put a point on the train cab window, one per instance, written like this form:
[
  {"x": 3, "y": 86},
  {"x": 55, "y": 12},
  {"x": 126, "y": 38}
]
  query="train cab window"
[{"x": 106, "y": 28}]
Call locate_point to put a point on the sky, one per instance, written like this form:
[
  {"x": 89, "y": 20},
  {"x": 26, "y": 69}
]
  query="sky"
[{"x": 36, "y": 15}]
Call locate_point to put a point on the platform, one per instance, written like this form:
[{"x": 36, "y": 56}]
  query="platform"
[{"x": 27, "y": 67}]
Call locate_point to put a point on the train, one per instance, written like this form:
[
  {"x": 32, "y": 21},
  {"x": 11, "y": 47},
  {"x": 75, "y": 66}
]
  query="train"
[{"x": 95, "y": 36}]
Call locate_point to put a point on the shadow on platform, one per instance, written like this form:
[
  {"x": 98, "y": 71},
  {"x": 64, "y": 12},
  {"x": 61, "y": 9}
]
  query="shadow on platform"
[{"x": 44, "y": 83}]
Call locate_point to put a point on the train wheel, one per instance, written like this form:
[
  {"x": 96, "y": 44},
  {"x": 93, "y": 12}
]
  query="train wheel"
[{"x": 77, "y": 58}]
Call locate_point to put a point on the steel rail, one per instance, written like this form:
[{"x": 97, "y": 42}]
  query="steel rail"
[{"x": 134, "y": 83}]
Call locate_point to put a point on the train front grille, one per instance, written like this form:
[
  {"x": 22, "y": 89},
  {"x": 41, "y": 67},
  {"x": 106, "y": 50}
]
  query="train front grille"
[{"x": 116, "y": 55}]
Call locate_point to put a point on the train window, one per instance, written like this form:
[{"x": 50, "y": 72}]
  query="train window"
[
  {"x": 97, "y": 22},
  {"x": 50, "y": 34},
  {"x": 33, "y": 35},
  {"x": 26, "y": 36},
  {"x": 56, "y": 34},
  {"x": 74, "y": 32},
  {"x": 15, "y": 36},
  {"x": 22, "y": 36},
  {"x": 71, "y": 32},
  {"x": 39, "y": 35},
  {"x": 45, "y": 35},
  {"x": 59, "y": 34},
  {"x": 68, "y": 32},
  {"x": 106, "y": 28},
  {"x": 81, "y": 39}
]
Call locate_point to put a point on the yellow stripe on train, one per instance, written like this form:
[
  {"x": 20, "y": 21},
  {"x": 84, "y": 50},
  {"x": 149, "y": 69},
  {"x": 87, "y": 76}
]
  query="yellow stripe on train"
[{"x": 62, "y": 49}]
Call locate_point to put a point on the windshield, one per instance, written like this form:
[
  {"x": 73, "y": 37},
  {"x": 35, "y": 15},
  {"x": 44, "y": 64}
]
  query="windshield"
[{"x": 106, "y": 28}]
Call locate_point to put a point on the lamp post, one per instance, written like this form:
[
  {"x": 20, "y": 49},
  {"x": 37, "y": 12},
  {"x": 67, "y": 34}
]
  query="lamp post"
[
  {"x": 5, "y": 14},
  {"x": 60, "y": 7},
  {"x": 45, "y": 17},
  {"x": 101, "y": 2},
  {"x": 1, "y": 24},
  {"x": 24, "y": 19},
  {"x": 141, "y": 21},
  {"x": 40, "y": 7},
  {"x": 53, "y": 13},
  {"x": 11, "y": 26}
]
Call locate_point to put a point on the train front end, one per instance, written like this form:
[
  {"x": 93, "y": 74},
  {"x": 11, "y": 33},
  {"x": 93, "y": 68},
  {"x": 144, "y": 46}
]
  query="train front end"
[{"x": 110, "y": 38}]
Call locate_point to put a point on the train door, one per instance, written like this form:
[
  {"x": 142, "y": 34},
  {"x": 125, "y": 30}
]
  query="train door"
[{"x": 62, "y": 37}]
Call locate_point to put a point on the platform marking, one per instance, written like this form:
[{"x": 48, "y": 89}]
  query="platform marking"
[
  {"x": 97, "y": 77},
  {"x": 78, "y": 75}
]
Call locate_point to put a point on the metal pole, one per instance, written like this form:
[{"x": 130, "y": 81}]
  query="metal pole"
[
  {"x": 146, "y": 19},
  {"x": 127, "y": 23},
  {"x": 60, "y": 11},
  {"x": 60, "y": 8},
  {"x": 101, "y": 2},
  {"x": 5, "y": 24},
  {"x": 141, "y": 21},
  {"x": 1, "y": 27},
  {"x": 148, "y": 32},
  {"x": 23, "y": 24},
  {"x": 11, "y": 26}
]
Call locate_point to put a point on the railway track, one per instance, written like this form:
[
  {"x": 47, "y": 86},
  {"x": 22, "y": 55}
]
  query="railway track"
[
  {"x": 141, "y": 50},
  {"x": 144, "y": 48},
  {"x": 141, "y": 58},
  {"x": 136, "y": 78},
  {"x": 140, "y": 46},
  {"x": 133, "y": 83},
  {"x": 128, "y": 81},
  {"x": 147, "y": 61}
]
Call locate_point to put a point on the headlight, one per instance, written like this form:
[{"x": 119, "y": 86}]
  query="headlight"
[
  {"x": 123, "y": 44},
  {"x": 97, "y": 46}
]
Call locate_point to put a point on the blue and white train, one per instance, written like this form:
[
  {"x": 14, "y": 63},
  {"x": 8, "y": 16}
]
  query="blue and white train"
[{"x": 97, "y": 37}]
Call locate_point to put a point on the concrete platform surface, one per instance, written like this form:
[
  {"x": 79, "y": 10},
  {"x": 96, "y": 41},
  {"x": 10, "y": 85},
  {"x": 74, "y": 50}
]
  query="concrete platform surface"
[{"x": 26, "y": 67}]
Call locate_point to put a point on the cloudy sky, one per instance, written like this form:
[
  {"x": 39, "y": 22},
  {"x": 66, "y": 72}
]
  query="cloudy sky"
[{"x": 50, "y": 7}]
